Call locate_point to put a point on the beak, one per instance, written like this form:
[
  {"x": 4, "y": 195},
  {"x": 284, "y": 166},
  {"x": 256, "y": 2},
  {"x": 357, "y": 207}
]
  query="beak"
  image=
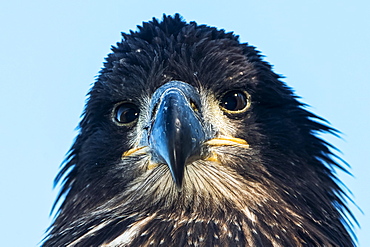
[{"x": 176, "y": 132}]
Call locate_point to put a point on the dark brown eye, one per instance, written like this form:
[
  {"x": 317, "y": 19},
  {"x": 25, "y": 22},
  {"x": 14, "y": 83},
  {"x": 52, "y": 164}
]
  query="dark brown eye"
[
  {"x": 126, "y": 113},
  {"x": 235, "y": 101}
]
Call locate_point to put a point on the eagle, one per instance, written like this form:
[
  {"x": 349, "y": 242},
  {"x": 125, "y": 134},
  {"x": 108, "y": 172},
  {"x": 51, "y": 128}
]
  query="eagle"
[{"x": 188, "y": 138}]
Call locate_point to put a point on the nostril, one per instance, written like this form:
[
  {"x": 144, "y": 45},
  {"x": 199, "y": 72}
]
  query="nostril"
[
  {"x": 154, "y": 111},
  {"x": 194, "y": 106}
]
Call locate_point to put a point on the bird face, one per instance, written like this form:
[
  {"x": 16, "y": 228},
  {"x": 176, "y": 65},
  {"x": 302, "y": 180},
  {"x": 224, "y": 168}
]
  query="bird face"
[
  {"x": 178, "y": 138},
  {"x": 189, "y": 139},
  {"x": 176, "y": 131},
  {"x": 177, "y": 134}
]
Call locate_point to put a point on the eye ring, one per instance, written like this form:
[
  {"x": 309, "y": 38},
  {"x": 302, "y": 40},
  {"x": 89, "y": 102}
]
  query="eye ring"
[
  {"x": 235, "y": 101},
  {"x": 125, "y": 113}
]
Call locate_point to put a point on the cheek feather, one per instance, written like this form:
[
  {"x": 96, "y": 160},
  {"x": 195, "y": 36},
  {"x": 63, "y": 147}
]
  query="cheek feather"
[{"x": 214, "y": 117}]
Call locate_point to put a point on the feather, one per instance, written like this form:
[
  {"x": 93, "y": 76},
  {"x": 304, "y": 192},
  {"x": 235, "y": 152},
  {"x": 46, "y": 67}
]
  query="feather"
[{"x": 257, "y": 175}]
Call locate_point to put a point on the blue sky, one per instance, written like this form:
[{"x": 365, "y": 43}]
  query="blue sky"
[{"x": 51, "y": 52}]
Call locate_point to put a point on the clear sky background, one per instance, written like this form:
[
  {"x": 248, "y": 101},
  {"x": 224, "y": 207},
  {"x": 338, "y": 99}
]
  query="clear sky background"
[{"x": 51, "y": 51}]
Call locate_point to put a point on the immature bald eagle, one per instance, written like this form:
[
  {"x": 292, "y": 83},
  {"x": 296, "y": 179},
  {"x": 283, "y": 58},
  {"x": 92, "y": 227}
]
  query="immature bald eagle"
[{"x": 190, "y": 139}]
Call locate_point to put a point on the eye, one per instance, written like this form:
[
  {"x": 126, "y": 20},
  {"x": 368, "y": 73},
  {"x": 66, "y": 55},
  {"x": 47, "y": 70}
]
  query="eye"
[
  {"x": 235, "y": 101},
  {"x": 126, "y": 113}
]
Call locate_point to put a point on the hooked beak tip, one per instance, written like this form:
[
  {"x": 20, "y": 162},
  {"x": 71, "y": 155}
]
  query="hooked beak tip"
[{"x": 176, "y": 132}]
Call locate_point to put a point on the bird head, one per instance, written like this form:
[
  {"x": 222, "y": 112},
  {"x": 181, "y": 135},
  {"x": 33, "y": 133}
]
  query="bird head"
[{"x": 185, "y": 123}]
